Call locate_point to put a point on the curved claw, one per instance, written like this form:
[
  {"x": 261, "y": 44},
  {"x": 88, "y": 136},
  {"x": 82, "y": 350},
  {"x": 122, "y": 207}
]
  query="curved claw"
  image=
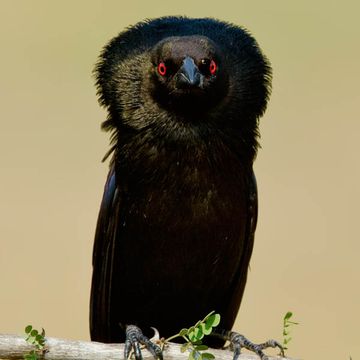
[
  {"x": 135, "y": 337},
  {"x": 239, "y": 341}
]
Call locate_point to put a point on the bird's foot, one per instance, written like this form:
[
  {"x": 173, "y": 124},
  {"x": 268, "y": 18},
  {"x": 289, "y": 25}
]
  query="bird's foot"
[
  {"x": 238, "y": 341},
  {"x": 135, "y": 337}
]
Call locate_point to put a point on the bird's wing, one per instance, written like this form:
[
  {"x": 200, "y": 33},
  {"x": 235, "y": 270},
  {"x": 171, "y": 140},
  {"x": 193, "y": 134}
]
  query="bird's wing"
[
  {"x": 236, "y": 292},
  {"x": 103, "y": 253},
  {"x": 252, "y": 214}
]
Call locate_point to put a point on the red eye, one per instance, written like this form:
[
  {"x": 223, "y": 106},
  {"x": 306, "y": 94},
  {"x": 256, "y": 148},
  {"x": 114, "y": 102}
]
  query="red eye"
[
  {"x": 162, "y": 68},
  {"x": 212, "y": 67}
]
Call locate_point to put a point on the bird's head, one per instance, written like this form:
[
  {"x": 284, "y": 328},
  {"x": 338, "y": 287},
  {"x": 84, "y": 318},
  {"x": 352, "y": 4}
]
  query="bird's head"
[
  {"x": 178, "y": 72},
  {"x": 187, "y": 73}
]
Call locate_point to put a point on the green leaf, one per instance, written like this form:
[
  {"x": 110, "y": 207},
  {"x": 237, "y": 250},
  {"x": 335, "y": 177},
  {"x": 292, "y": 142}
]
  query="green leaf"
[
  {"x": 195, "y": 333},
  {"x": 28, "y": 329},
  {"x": 31, "y": 356},
  {"x": 206, "y": 330},
  {"x": 39, "y": 341},
  {"x": 198, "y": 333},
  {"x": 197, "y": 342},
  {"x": 213, "y": 320},
  {"x": 207, "y": 356},
  {"x": 201, "y": 347},
  {"x": 288, "y": 315},
  {"x": 34, "y": 332}
]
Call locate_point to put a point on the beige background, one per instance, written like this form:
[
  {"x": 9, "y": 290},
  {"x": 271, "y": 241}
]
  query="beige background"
[{"x": 306, "y": 256}]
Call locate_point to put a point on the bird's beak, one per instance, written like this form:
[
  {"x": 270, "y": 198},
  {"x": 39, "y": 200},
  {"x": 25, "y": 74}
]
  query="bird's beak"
[{"x": 188, "y": 75}]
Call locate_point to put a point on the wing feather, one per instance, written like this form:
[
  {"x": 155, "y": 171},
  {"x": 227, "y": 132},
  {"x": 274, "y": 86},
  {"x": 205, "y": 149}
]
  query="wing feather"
[{"x": 103, "y": 261}]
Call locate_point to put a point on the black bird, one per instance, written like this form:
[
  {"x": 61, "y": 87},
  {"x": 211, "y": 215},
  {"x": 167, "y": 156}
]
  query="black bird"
[{"x": 176, "y": 225}]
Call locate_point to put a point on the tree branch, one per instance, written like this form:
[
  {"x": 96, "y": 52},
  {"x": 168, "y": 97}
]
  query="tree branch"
[{"x": 15, "y": 347}]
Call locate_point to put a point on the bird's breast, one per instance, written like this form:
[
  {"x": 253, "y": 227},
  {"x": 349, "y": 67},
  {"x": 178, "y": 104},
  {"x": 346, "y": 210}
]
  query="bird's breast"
[
  {"x": 193, "y": 200},
  {"x": 184, "y": 216}
]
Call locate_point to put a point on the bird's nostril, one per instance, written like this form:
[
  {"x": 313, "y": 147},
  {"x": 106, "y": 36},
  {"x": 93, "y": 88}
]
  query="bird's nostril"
[{"x": 186, "y": 82}]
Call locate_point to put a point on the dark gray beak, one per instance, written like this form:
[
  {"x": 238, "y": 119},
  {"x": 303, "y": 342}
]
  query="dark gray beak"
[{"x": 188, "y": 75}]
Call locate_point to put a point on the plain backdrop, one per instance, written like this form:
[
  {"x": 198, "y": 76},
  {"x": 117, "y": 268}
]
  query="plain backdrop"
[{"x": 306, "y": 255}]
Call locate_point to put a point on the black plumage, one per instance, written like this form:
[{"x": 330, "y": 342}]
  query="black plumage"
[{"x": 176, "y": 226}]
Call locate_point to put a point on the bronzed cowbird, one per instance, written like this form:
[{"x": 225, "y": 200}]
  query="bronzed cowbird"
[{"x": 176, "y": 225}]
